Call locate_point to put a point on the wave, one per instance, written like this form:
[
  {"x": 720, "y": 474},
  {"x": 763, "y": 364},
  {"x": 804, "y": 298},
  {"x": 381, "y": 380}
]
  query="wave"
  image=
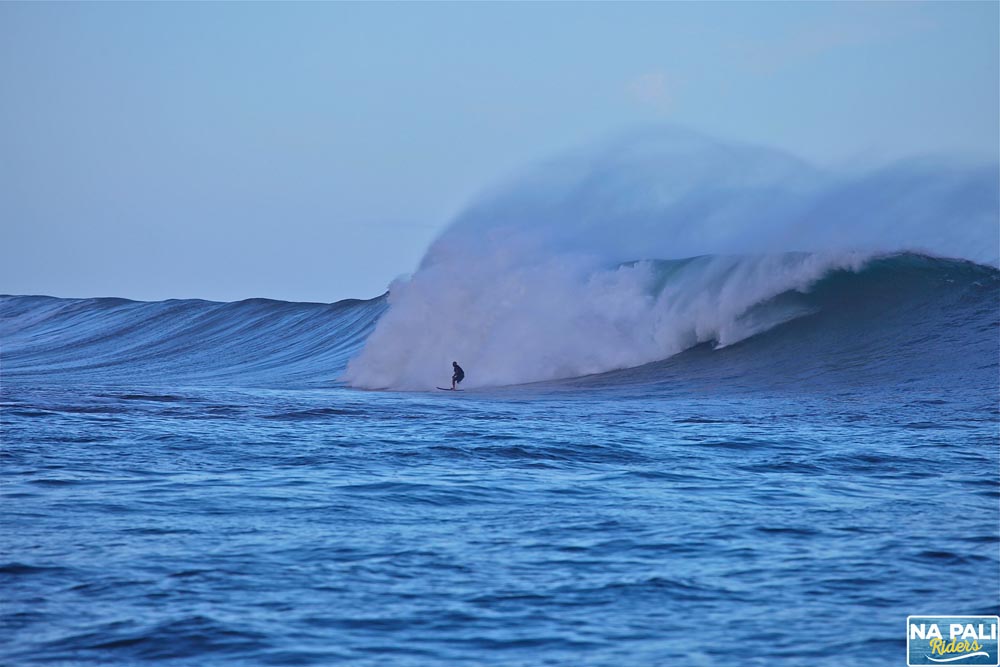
[
  {"x": 571, "y": 323},
  {"x": 538, "y": 280},
  {"x": 895, "y": 319},
  {"x": 618, "y": 257}
]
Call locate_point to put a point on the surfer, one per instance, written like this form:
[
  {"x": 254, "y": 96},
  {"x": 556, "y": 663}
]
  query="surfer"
[{"x": 458, "y": 376}]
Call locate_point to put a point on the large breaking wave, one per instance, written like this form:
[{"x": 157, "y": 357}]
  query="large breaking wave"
[
  {"x": 561, "y": 273},
  {"x": 900, "y": 321},
  {"x": 661, "y": 246}
]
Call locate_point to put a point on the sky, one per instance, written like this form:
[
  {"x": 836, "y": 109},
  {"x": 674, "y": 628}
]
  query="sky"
[{"x": 312, "y": 151}]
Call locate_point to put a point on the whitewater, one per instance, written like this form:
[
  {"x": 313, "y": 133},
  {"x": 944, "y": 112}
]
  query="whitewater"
[
  {"x": 722, "y": 407},
  {"x": 650, "y": 244}
]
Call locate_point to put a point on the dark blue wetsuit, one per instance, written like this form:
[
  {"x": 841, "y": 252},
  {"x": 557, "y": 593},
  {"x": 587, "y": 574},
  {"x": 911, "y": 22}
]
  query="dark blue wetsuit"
[{"x": 459, "y": 374}]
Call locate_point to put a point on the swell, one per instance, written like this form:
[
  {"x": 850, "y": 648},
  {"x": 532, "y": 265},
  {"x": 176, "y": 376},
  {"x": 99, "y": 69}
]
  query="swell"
[{"x": 903, "y": 318}]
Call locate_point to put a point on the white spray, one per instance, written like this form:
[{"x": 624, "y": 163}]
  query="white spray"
[{"x": 540, "y": 280}]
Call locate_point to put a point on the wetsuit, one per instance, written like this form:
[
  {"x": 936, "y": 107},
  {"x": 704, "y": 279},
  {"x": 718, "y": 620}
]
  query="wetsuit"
[{"x": 459, "y": 374}]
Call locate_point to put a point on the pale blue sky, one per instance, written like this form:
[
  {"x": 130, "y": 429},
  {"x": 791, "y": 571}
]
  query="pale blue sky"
[{"x": 311, "y": 151}]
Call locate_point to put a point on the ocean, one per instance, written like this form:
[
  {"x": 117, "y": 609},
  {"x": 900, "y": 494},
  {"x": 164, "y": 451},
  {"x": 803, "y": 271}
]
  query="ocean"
[{"x": 197, "y": 483}]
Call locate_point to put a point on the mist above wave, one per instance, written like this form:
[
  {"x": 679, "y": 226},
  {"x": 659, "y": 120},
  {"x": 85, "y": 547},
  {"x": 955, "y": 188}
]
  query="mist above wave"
[{"x": 529, "y": 283}]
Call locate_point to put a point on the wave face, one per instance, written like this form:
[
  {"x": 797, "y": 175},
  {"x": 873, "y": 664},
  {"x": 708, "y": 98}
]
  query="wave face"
[
  {"x": 579, "y": 267},
  {"x": 256, "y": 342},
  {"x": 893, "y": 320}
]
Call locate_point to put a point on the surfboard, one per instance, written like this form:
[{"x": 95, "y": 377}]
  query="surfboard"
[{"x": 449, "y": 389}]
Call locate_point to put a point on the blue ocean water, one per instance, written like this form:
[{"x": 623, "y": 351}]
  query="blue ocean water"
[{"x": 190, "y": 483}]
